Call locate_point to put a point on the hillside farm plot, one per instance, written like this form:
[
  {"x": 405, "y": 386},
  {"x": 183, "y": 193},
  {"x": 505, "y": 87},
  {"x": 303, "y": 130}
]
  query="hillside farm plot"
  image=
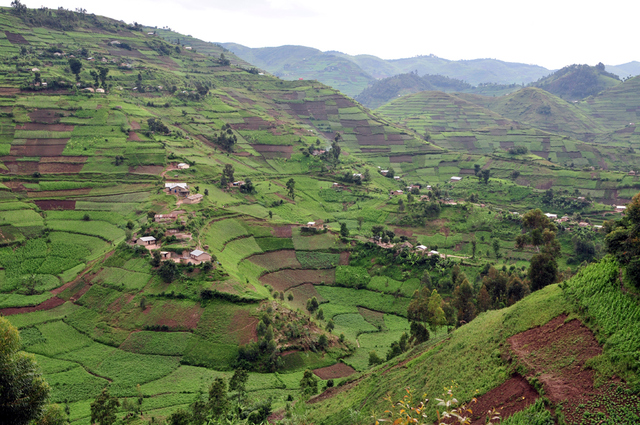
[
  {"x": 220, "y": 232},
  {"x": 286, "y": 279},
  {"x": 163, "y": 343},
  {"x": 101, "y": 229},
  {"x": 122, "y": 278},
  {"x": 276, "y": 260},
  {"x": 322, "y": 241}
]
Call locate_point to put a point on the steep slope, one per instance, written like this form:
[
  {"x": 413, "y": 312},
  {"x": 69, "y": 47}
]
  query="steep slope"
[
  {"x": 575, "y": 82},
  {"x": 533, "y": 337}
]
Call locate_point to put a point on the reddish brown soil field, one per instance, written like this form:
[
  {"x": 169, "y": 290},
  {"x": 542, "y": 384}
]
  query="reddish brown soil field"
[
  {"x": 47, "y": 127},
  {"x": 375, "y": 140},
  {"x": 47, "y": 204},
  {"x": 344, "y": 258},
  {"x": 276, "y": 260},
  {"x": 514, "y": 395},
  {"x": 253, "y": 123},
  {"x": 133, "y": 137},
  {"x": 400, "y": 158},
  {"x": 8, "y": 91},
  {"x": 135, "y": 125},
  {"x": 52, "y": 168},
  {"x": 545, "y": 186},
  {"x": 39, "y": 147},
  {"x": 174, "y": 316},
  {"x": 67, "y": 159},
  {"x": 47, "y": 305},
  {"x": 338, "y": 370},
  {"x": 59, "y": 193},
  {"x": 244, "y": 327},
  {"x": 285, "y": 279},
  {"x": 556, "y": 354},
  {"x": 15, "y": 38},
  {"x": 273, "y": 151},
  {"x": 282, "y": 231}
]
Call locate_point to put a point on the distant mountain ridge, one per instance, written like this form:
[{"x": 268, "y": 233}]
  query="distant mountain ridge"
[
  {"x": 575, "y": 82},
  {"x": 352, "y": 74}
]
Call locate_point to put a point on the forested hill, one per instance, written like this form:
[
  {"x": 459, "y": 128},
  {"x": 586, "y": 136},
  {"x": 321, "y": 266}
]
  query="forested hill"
[{"x": 575, "y": 82}]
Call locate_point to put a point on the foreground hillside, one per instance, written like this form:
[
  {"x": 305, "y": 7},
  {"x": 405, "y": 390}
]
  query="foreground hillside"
[{"x": 542, "y": 338}]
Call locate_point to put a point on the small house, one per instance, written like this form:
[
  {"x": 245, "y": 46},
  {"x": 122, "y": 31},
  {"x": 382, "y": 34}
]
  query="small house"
[
  {"x": 583, "y": 224},
  {"x": 165, "y": 255},
  {"x": 357, "y": 175},
  {"x": 146, "y": 241},
  {"x": 433, "y": 252},
  {"x": 456, "y": 178},
  {"x": 193, "y": 199},
  {"x": 396, "y": 192},
  {"x": 620, "y": 208},
  {"x": 551, "y": 216},
  {"x": 88, "y": 89},
  {"x": 57, "y": 54},
  {"x": 165, "y": 218},
  {"x": 421, "y": 247},
  {"x": 384, "y": 172},
  {"x": 396, "y": 177},
  {"x": 183, "y": 166},
  {"x": 179, "y": 189},
  {"x": 35, "y": 70},
  {"x": 188, "y": 48},
  {"x": 99, "y": 90},
  {"x": 199, "y": 256},
  {"x": 115, "y": 42}
]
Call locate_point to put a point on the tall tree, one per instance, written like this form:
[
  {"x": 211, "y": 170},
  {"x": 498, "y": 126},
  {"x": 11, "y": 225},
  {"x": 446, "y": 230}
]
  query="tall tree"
[
  {"x": 228, "y": 173},
  {"x": 23, "y": 391},
  {"x": 291, "y": 187},
  {"x": 218, "y": 399},
  {"x": 104, "y": 409},
  {"x": 76, "y": 66}
]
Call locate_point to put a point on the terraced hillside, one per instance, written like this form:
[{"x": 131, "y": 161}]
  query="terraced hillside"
[{"x": 169, "y": 215}]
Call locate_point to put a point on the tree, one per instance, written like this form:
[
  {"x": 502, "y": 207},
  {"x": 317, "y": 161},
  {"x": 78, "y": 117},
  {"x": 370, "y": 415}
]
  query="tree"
[
  {"x": 543, "y": 270},
  {"x": 308, "y": 383},
  {"x": 206, "y": 192},
  {"x": 476, "y": 169},
  {"x": 485, "y": 175},
  {"x": 344, "y": 231},
  {"x": 474, "y": 244},
  {"x": 76, "y": 67},
  {"x": 374, "y": 359},
  {"x": 168, "y": 271},
  {"x": 291, "y": 187},
  {"x": 18, "y": 7},
  {"x": 330, "y": 326},
  {"x": 228, "y": 173},
  {"x": 463, "y": 301},
  {"x": 623, "y": 240},
  {"x": 425, "y": 309},
  {"x": 23, "y": 391},
  {"x": 238, "y": 383},
  {"x": 218, "y": 403},
  {"x": 104, "y": 409},
  {"x": 495, "y": 244}
]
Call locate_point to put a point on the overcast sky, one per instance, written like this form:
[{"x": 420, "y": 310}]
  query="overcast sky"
[{"x": 550, "y": 33}]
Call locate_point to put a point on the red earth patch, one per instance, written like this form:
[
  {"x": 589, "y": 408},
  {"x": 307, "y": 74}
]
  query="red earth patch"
[
  {"x": 50, "y": 204},
  {"x": 285, "y": 279},
  {"x": 338, "y": 370},
  {"x": 46, "y": 305},
  {"x": 282, "y": 231},
  {"x": 512, "y": 396}
]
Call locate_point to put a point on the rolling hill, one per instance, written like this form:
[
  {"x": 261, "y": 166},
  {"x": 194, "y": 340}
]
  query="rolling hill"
[
  {"x": 104, "y": 129},
  {"x": 576, "y": 82}
]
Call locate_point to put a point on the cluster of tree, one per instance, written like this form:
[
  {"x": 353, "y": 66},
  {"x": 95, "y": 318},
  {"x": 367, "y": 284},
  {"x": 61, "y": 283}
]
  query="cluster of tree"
[
  {"x": 500, "y": 289},
  {"x": 225, "y": 139},
  {"x": 623, "y": 241},
  {"x": 224, "y": 404},
  {"x": 566, "y": 203},
  {"x": 382, "y": 234},
  {"x": 264, "y": 355},
  {"x": 349, "y": 177},
  {"x": 539, "y": 230},
  {"x": 223, "y": 60},
  {"x": 584, "y": 246},
  {"x": 100, "y": 76},
  {"x": 419, "y": 211},
  {"x": 518, "y": 150},
  {"x": 156, "y": 126}
]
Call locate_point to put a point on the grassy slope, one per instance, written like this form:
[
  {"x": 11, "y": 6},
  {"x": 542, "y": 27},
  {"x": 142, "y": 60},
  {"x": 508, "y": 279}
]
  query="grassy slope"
[{"x": 473, "y": 356}]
